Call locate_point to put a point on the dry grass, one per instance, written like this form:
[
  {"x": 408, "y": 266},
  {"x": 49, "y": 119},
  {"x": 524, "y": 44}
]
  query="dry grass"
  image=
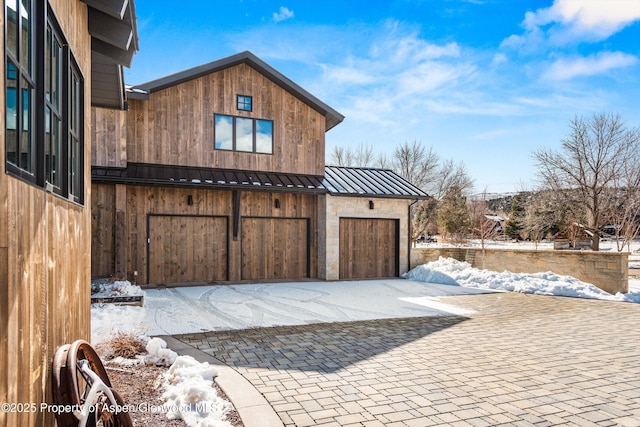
[
  {"x": 121, "y": 344},
  {"x": 138, "y": 384}
]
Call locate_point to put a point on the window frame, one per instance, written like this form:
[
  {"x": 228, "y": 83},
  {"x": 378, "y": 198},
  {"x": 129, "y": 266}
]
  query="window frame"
[
  {"x": 25, "y": 84},
  {"x": 242, "y": 101},
  {"x": 66, "y": 177},
  {"x": 234, "y": 134}
]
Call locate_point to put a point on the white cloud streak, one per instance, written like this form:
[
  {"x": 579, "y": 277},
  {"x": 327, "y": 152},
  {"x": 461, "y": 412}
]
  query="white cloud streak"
[
  {"x": 601, "y": 63},
  {"x": 283, "y": 14}
]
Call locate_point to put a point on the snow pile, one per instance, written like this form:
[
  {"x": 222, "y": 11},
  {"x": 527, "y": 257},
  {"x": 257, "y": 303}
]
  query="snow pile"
[
  {"x": 108, "y": 319},
  {"x": 117, "y": 288},
  {"x": 189, "y": 394},
  {"x": 449, "y": 271},
  {"x": 158, "y": 353}
]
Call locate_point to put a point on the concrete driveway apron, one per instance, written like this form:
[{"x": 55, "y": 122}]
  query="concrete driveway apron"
[{"x": 510, "y": 359}]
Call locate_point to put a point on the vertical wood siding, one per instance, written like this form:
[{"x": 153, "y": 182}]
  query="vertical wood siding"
[
  {"x": 109, "y": 137},
  {"x": 274, "y": 248},
  {"x": 175, "y": 125},
  {"x": 44, "y": 261},
  {"x": 188, "y": 248},
  {"x": 145, "y": 201},
  {"x": 368, "y": 248}
]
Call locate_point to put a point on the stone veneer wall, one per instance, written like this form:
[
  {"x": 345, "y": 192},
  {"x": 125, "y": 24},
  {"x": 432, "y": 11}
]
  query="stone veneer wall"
[
  {"x": 332, "y": 208},
  {"x": 607, "y": 270}
]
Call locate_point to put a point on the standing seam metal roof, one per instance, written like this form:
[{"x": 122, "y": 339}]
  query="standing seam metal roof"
[
  {"x": 369, "y": 182},
  {"x": 337, "y": 180}
]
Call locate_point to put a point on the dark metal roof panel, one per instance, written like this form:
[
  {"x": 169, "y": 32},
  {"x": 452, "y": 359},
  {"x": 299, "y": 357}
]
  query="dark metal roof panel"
[
  {"x": 369, "y": 182},
  {"x": 169, "y": 175}
]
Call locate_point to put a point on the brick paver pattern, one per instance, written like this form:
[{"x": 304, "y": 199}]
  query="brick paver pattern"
[{"x": 521, "y": 360}]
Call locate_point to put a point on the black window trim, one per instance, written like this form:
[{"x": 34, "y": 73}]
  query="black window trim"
[
  {"x": 32, "y": 77},
  {"x": 238, "y": 96},
  {"x": 43, "y": 17},
  {"x": 233, "y": 134}
]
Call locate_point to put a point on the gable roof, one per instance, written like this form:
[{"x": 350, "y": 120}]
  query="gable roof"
[
  {"x": 332, "y": 117},
  {"x": 369, "y": 182}
]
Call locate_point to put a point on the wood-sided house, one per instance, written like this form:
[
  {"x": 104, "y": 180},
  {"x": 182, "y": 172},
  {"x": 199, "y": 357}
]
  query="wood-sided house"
[
  {"x": 217, "y": 174},
  {"x": 60, "y": 57}
]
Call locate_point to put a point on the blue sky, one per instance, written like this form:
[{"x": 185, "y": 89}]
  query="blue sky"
[{"x": 485, "y": 82}]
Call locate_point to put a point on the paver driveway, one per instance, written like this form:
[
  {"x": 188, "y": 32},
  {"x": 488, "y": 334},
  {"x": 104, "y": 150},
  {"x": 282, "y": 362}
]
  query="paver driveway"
[{"x": 519, "y": 360}]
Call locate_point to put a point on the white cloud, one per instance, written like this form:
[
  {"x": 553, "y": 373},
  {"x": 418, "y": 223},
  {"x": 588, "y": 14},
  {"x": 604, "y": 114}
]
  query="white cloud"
[
  {"x": 283, "y": 14},
  {"x": 499, "y": 58},
  {"x": 348, "y": 74},
  {"x": 568, "y": 21},
  {"x": 603, "y": 62}
]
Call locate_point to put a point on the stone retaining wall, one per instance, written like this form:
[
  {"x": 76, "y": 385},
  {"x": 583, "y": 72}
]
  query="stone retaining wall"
[{"x": 607, "y": 270}]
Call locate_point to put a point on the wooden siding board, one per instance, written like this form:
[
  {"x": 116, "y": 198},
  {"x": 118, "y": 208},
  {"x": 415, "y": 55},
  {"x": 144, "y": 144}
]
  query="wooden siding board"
[
  {"x": 274, "y": 248},
  {"x": 142, "y": 201},
  {"x": 103, "y": 230},
  {"x": 41, "y": 236},
  {"x": 368, "y": 248},
  {"x": 187, "y": 248},
  {"x": 180, "y": 119}
]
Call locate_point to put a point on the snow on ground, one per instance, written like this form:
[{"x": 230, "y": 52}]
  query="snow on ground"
[
  {"x": 187, "y": 385},
  {"x": 452, "y": 272},
  {"x": 189, "y": 395},
  {"x": 102, "y": 289}
]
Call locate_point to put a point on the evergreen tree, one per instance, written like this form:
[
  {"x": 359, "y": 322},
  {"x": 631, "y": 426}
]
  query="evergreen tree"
[
  {"x": 453, "y": 216},
  {"x": 515, "y": 225}
]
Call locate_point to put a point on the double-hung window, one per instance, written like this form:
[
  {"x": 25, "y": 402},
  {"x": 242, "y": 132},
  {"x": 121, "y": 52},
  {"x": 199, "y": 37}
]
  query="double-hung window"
[{"x": 44, "y": 119}]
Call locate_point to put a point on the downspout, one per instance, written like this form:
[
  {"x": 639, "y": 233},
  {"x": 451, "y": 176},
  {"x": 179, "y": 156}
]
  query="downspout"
[{"x": 409, "y": 235}]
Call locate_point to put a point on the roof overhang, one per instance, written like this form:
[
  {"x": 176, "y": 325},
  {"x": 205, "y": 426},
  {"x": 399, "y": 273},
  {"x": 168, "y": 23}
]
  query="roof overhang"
[
  {"x": 369, "y": 182},
  {"x": 114, "y": 42},
  {"x": 337, "y": 181},
  {"x": 196, "y": 177},
  {"x": 332, "y": 117}
]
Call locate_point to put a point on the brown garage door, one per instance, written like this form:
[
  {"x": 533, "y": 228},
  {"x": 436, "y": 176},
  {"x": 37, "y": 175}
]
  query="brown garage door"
[
  {"x": 187, "y": 249},
  {"x": 275, "y": 248},
  {"x": 368, "y": 248}
]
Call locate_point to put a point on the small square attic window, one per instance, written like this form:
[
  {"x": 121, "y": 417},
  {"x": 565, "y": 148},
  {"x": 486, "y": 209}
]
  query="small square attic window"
[{"x": 244, "y": 102}]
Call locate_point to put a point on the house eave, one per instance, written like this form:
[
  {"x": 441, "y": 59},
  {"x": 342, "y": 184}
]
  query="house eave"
[
  {"x": 114, "y": 42},
  {"x": 332, "y": 117}
]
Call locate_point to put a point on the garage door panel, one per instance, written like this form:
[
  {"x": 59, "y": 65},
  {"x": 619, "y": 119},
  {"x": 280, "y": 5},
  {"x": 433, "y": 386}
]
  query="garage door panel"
[
  {"x": 368, "y": 248},
  {"x": 187, "y": 249},
  {"x": 275, "y": 248}
]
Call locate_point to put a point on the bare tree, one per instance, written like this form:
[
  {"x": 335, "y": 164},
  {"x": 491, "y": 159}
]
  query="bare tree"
[
  {"x": 449, "y": 175},
  {"x": 419, "y": 165},
  {"x": 423, "y": 219},
  {"x": 482, "y": 225},
  {"x": 416, "y": 163},
  {"x": 624, "y": 216},
  {"x": 360, "y": 156},
  {"x": 588, "y": 165}
]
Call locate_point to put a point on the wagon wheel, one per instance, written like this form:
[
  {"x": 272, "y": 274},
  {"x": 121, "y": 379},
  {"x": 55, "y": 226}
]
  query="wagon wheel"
[
  {"x": 106, "y": 418},
  {"x": 78, "y": 386},
  {"x": 60, "y": 383}
]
